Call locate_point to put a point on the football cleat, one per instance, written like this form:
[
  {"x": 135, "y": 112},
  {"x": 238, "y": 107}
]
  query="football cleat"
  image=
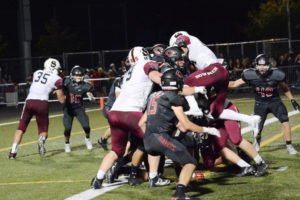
[
  {"x": 246, "y": 171},
  {"x": 179, "y": 195},
  {"x": 158, "y": 182},
  {"x": 67, "y": 148},
  {"x": 291, "y": 149},
  {"x": 134, "y": 179},
  {"x": 261, "y": 169},
  {"x": 41, "y": 147},
  {"x": 255, "y": 124},
  {"x": 111, "y": 174},
  {"x": 88, "y": 143},
  {"x": 103, "y": 143},
  {"x": 12, "y": 156},
  {"x": 96, "y": 183}
]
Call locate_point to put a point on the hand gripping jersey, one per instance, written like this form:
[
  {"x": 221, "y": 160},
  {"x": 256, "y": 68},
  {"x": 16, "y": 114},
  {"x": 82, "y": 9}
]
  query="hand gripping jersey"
[
  {"x": 136, "y": 87},
  {"x": 160, "y": 116},
  {"x": 200, "y": 54},
  {"x": 75, "y": 92},
  {"x": 264, "y": 87},
  {"x": 43, "y": 83}
]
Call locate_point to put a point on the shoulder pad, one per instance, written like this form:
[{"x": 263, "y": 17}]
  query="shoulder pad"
[
  {"x": 277, "y": 75},
  {"x": 66, "y": 80},
  {"x": 249, "y": 74}
]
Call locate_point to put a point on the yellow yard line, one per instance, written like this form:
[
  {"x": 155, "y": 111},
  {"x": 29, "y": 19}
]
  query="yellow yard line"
[
  {"x": 44, "y": 182},
  {"x": 54, "y": 138}
]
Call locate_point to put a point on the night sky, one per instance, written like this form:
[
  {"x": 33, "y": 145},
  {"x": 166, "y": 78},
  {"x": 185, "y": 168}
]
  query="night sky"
[{"x": 147, "y": 22}]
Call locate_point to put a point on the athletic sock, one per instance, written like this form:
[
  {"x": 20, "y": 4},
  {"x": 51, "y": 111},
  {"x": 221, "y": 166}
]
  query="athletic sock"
[
  {"x": 258, "y": 159},
  {"x": 231, "y": 115},
  {"x": 100, "y": 174},
  {"x": 14, "y": 148},
  {"x": 288, "y": 142},
  {"x": 42, "y": 138},
  {"x": 242, "y": 163},
  {"x": 152, "y": 175}
]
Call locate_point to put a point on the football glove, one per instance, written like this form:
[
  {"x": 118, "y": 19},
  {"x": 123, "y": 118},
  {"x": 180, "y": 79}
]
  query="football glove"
[
  {"x": 295, "y": 104},
  {"x": 211, "y": 131}
]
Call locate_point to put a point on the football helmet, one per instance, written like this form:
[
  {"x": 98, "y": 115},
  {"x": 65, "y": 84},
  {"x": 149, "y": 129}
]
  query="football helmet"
[
  {"x": 156, "y": 52},
  {"x": 172, "y": 79},
  {"x": 262, "y": 64},
  {"x": 173, "y": 54},
  {"x": 77, "y": 74},
  {"x": 138, "y": 54},
  {"x": 175, "y": 36},
  {"x": 52, "y": 66}
]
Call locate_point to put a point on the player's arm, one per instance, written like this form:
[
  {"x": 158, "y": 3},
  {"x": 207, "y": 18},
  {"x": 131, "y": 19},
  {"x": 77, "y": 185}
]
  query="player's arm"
[
  {"x": 142, "y": 122},
  {"x": 185, "y": 124},
  {"x": 289, "y": 95},
  {"x": 237, "y": 83},
  {"x": 151, "y": 69},
  {"x": 155, "y": 76},
  {"x": 192, "y": 90},
  {"x": 60, "y": 96}
]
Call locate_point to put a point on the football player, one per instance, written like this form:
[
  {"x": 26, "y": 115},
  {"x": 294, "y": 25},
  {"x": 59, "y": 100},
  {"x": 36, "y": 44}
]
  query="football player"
[
  {"x": 163, "y": 115},
  {"x": 127, "y": 111},
  {"x": 44, "y": 81},
  {"x": 210, "y": 73},
  {"x": 265, "y": 81},
  {"x": 75, "y": 88}
]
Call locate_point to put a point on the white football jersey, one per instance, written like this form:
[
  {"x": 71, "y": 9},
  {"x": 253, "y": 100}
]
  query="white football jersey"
[
  {"x": 42, "y": 84},
  {"x": 200, "y": 54},
  {"x": 136, "y": 87}
]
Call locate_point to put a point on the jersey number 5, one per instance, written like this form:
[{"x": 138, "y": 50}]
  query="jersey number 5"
[{"x": 153, "y": 105}]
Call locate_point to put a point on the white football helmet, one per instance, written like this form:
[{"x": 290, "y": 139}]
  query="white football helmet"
[
  {"x": 52, "y": 66},
  {"x": 137, "y": 54},
  {"x": 175, "y": 36}
]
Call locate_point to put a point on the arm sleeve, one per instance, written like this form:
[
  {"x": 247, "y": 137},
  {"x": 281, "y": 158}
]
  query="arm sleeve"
[
  {"x": 58, "y": 84},
  {"x": 150, "y": 66}
]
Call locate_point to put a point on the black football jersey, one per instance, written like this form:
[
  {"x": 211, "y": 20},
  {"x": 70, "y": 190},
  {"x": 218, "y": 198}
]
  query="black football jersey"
[
  {"x": 112, "y": 92},
  {"x": 160, "y": 116},
  {"x": 75, "y": 92},
  {"x": 264, "y": 87}
]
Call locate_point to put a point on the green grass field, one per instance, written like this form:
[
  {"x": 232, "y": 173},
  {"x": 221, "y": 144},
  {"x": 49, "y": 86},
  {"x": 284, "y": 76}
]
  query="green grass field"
[{"x": 60, "y": 175}]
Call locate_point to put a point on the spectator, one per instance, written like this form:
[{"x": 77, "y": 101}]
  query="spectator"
[
  {"x": 245, "y": 63},
  {"x": 297, "y": 63},
  {"x": 113, "y": 69},
  {"x": 273, "y": 62}
]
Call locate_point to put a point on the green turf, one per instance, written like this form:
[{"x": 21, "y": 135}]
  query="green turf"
[{"x": 60, "y": 175}]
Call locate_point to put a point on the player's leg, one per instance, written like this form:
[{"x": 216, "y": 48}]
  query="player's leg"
[
  {"x": 279, "y": 110},
  {"x": 84, "y": 121},
  {"x": 262, "y": 110},
  {"x": 103, "y": 140},
  {"x": 24, "y": 121},
  {"x": 67, "y": 122},
  {"x": 42, "y": 119}
]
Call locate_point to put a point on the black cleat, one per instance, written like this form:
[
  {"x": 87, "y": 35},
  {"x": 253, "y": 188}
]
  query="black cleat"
[
  {"x": 111, "y": 174},
  {"x": 158, "y": 182},
  {"x": 246, "y": 171},
  {"x": 134, "y": 179},
  {"x": 261, "y": 169},
  {"x": 96, "y": 183},
  {"x": 12, "y": 156},
  {"x": 103, "y": 143},
  {"x": 181, "y": 196}
]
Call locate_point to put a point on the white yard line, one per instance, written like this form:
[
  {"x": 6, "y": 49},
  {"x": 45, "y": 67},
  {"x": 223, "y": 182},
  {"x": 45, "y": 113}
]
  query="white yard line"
[
  {"x": 92, "y": 193},
  {"x": 51, "y": 116}
]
